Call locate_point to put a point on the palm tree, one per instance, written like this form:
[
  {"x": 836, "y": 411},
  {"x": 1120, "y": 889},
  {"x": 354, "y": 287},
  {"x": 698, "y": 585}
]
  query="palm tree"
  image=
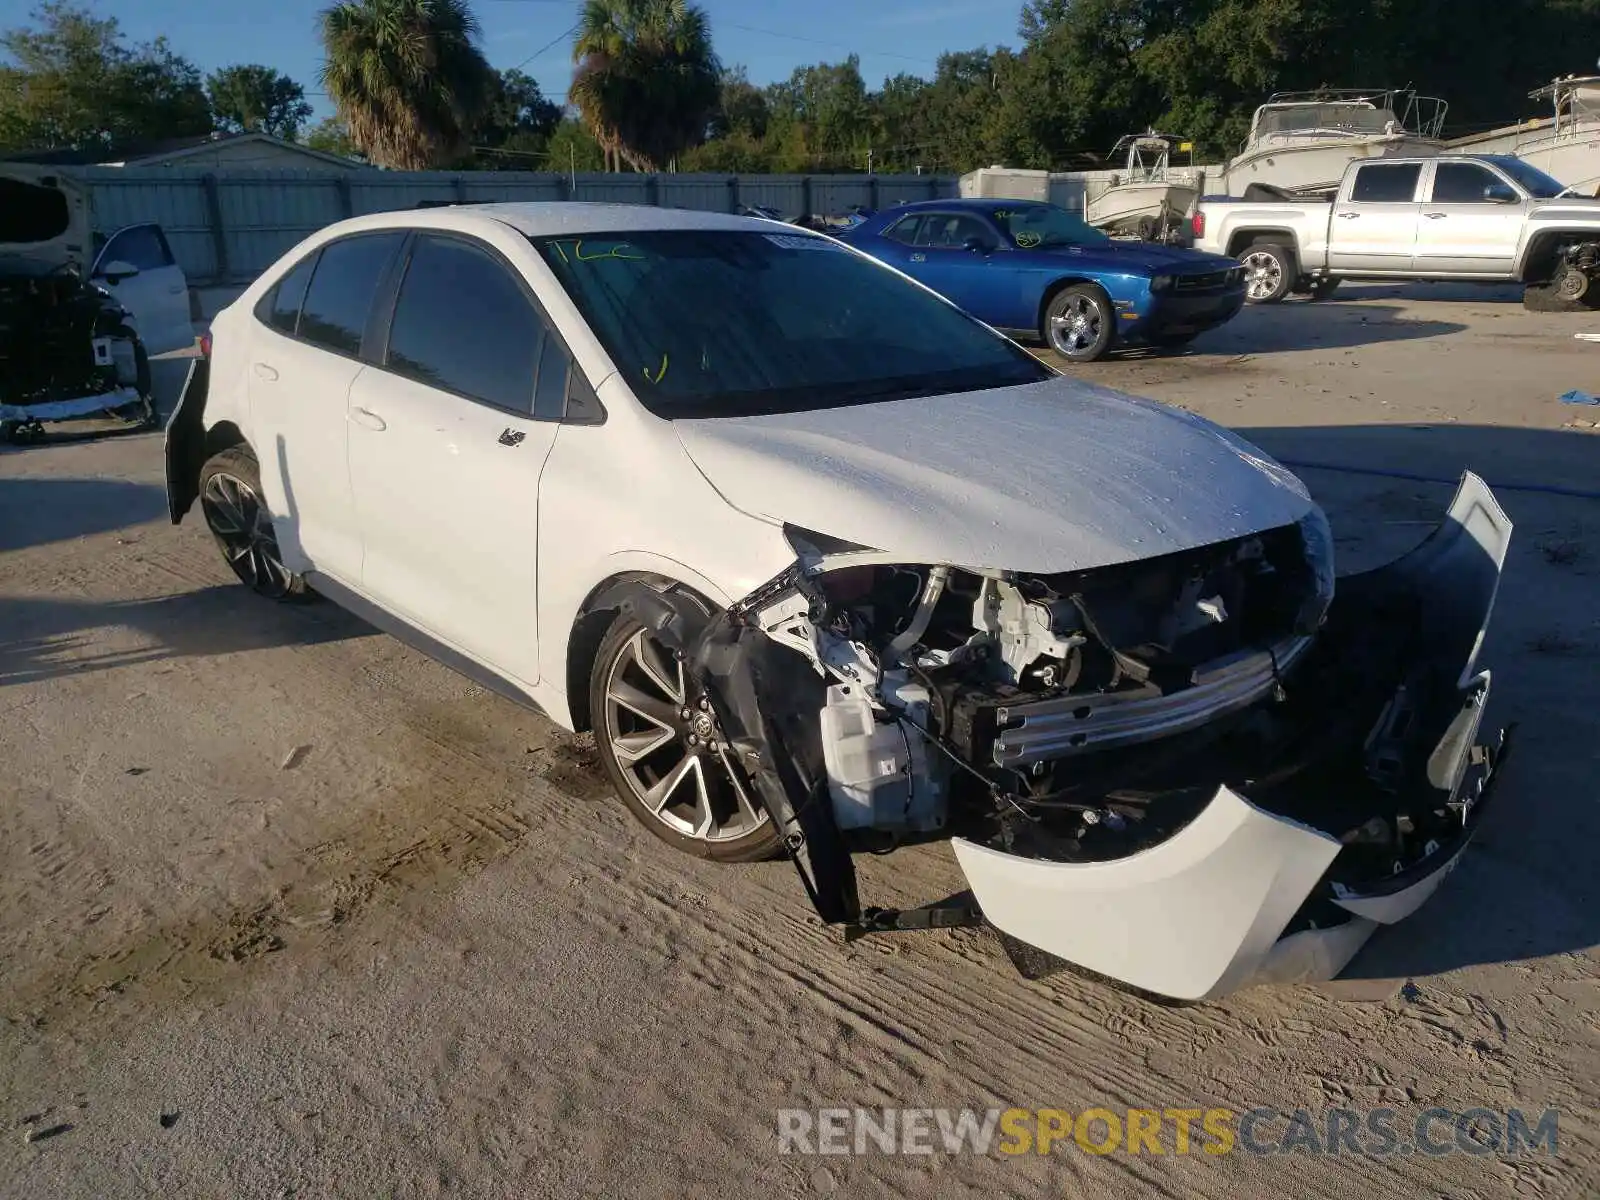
[
  {"x": 647, "y": 79},
  {"x": 407, "y": 78}
]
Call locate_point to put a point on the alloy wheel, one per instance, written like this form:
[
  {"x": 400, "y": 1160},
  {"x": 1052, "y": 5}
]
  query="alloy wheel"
[
  {"x": 1076, "y": 328},
  {"x": 243, "y": 526},
  {"x": 669, "y": 748},
  {"x": 1263, "y": 275}
]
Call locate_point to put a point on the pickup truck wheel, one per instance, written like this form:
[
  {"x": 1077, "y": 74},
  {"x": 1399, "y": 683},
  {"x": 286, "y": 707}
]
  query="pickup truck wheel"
[
  {"x": 1269, "y": 272},
  {"x": 1079, "y": 323},
  {"x": 1569, "y": 292}
]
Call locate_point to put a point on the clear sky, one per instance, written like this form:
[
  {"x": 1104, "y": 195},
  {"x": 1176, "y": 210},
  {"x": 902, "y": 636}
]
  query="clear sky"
[{"x": 770, "y": 37}]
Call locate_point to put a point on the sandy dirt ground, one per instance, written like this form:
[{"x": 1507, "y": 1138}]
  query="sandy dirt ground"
[{"x": 288, "y": 910}]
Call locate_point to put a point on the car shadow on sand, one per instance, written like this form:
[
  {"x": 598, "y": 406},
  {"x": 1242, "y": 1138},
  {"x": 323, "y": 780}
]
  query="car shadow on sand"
[
  {"x": 48, "y": 637},
  {"x": 1326, "y": 325},
  {"x": 1526, "y": 887},
  {"x": 37, "y": 510}
]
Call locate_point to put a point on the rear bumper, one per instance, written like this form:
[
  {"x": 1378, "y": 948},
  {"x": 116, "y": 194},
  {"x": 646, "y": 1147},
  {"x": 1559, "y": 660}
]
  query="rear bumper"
[{"x": 1244, "y": 895}]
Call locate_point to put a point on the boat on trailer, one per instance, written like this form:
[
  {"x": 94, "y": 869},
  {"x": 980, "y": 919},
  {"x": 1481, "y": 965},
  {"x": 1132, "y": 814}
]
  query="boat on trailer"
[
  {"x": 1301, "y": 142},
  {"x": 1149, "y": 199},
  {"x": 1564, "y": 145}
]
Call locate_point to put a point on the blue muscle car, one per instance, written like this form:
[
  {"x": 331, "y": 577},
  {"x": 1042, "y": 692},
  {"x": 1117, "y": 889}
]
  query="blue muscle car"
[{"x": 1039, "y": 270}]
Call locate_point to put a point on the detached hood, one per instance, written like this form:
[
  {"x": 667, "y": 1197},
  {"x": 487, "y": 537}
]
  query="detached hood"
[
  {"x": 1046, "y": 477},
  {"x": 44, "y": 219}
]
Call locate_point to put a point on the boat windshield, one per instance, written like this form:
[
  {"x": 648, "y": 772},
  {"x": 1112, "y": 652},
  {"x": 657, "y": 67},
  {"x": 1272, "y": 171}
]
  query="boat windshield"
[
  {"x": 1031, "y": 226},
  {"x": 1358, "y": 117}
]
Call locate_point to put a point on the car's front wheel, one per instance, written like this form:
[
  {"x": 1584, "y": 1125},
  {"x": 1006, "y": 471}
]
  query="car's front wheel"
[
  {"x": 1079, "y": 323},
  {"x": 664, "y": 752},
  {"x": 236, "y": 513}
]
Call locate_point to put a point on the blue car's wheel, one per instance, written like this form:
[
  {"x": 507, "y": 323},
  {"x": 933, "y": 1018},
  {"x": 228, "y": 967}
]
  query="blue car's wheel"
[{"x": 1079, "y": 322}]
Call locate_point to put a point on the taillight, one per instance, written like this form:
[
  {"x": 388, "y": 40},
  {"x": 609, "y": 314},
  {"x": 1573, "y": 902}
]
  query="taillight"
[
  {"x": 1198, "y": 223},
  {"x": 205, "y": 344}
]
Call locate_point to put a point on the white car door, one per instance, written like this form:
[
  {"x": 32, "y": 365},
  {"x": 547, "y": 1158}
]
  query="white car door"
[
  {"x": 305, "y": 353},
  {"x": 136, "y": 265},
  {"x": 1471, "y": 222},
  {"x": 447, "y": 441},
  {"x": 1374, "y": 223}
]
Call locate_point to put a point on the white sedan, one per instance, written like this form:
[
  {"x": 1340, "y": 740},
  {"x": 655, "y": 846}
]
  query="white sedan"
[{"x": 826, "y": 564}]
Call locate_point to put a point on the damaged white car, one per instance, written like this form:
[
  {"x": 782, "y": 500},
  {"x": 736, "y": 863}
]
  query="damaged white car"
[
  {"x": 79, "y": 316},
  {"x": 827, "y": 565}
]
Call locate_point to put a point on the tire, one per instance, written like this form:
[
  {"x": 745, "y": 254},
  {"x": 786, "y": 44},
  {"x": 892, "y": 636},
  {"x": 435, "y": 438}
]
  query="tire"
[
  {"x": 1571, "y": 291},
  {"x": 704, "y": 813},
  {"x": 1270, "y": 272},
  {"x": 1323, "y": 289},
  {"x": 230, "y": 499},
  {"x": 1079, "y": 323}
]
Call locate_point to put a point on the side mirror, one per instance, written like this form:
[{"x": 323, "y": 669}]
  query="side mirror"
[
  {"x": 1499, "y": 193},
  {"x": 116, "y": 271},
  {"x": 977, "y": 245}
]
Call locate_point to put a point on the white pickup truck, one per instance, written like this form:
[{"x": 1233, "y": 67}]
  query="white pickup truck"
[{"x": 1486, "y": 218}]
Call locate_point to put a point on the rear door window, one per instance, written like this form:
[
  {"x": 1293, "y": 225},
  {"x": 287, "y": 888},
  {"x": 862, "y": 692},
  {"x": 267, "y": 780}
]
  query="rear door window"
[
  {"x": 343, "y": 285},
  {"x": 1386, "y": 183},
  {"x": 464, "y": 323}
]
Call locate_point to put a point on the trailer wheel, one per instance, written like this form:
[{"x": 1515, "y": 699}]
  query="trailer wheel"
[{"x": 1270, "y": 272}]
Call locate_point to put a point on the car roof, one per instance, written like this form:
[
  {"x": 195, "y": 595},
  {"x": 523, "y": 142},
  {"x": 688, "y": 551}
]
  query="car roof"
[{"x": 557, "y": 217}]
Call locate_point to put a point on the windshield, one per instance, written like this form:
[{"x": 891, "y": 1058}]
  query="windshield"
[
  {"x": 1357, "y": 117},
  {"x": 1534, "y": 181},
  {"x": 1035, "y": 225},
  {"x": 712, "y": 323}
]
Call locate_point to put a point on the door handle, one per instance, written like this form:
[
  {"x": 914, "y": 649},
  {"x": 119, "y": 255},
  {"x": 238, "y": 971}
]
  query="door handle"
[
  {"x": 264, "y": 372},
  {"x": 1436, "y": 216},
  {"x": 368, "y": 419},
  {"x": 1348, "y": 216}
]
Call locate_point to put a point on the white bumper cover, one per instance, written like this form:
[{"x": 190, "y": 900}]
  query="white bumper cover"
[{"x": 1201, "y": 914}]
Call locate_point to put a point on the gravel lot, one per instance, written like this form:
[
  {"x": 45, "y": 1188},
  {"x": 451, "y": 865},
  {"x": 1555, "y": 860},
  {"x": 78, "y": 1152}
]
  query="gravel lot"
[{"x": 286, "y": 909}]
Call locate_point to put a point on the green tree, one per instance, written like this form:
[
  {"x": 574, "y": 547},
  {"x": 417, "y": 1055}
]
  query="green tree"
[
  {"x": 516, "y": 124},
  {"x": 647, "y": 80},
  {"x": 407, "y": 78},
  {"x": 251, "y": 98},
  {"x": 573, "y": 148},
  {"x": 829, "y": 102},
  {"x": 741, "y": 107},
  {"x": 331, "y": 137},
  {"x": 74, "y": 83}
]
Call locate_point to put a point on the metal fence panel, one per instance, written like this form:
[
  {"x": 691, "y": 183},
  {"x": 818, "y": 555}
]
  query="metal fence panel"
[
  {"x": 119, "y": 197},
  {"x": 264, "y": 214},
  {"x": 228, "y": 226}
]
